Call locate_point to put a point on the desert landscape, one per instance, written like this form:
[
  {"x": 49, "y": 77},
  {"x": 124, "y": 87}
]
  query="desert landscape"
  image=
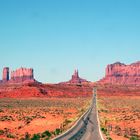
[
  {"x": 69, "y": 69},
  {"x": 119, "y": 102},
  {"x": 32, "y": 110},
  {"x": 119, "y": 113},
  {"x": 44, "y": 118}
]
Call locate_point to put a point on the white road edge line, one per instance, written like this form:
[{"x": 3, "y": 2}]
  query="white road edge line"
[
  {"x": 98, "y": 121},
  {"x": 73, "y": 125},
  {"x": 76, "y": 123}
]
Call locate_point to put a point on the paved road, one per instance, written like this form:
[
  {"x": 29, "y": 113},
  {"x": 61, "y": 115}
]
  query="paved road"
[
  {"x": 87, "y": 128},
  {"x": 92, "y": 130}
]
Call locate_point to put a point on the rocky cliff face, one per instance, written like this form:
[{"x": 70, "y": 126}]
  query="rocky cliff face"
[
  {"x": 5, "y": 76},
  {"x": 119, "y": 73},
  {"x": 21, "y": 75}
]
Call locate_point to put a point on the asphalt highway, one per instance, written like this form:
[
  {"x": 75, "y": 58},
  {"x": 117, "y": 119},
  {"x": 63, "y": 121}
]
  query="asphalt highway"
[
  {"x": 93, "y": 130},
  {"x": 87, "y": 128}
]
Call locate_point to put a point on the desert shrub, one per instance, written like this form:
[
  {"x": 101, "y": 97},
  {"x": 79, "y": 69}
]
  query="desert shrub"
[
  {"x": 10, "y": 136},
  {"x": 126, "y": 136},
  {"x": 46, "y": 133},
  {"x": 57, "y": 131},
  {"x": 43, "y": 117},
  {"x": 134, "y": 138},
  {"x": 28, "y": 119},
  {"x": 109, "y": 138},
  {"x": 103, "y": 110},
  {"x": 20, "y": 127},
  {"x": 36, "y": 137},
  {"x": 66, "y": 122},
  {"x": 1, "y": 132},
  {"x": 43, "y": 135},
  {"x": 27, "y": 136},
  {"x": 1, "y": 110},
  {"x": 104, "y": 130},
  {"x": 6, "y": 118}
]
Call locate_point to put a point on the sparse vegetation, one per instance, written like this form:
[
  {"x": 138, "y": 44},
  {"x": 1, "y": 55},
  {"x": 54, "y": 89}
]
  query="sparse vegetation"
[
  {"x": 134, "y": 138},
  {"x": 119, "y": 117},
  {"x": 10, "y": 136},
  {"x": 1, "y": 132},
  {"x": 36, "y": 137},
  {"x": 46, "y": 133},
  {"x": 39, "y": 114},
  {"x": 104, "y": 130},
  {"x": 57, "y": 131}
]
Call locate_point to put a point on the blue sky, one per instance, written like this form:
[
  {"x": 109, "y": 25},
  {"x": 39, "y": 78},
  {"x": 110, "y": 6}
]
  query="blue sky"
[{"x": 57, "y": 36}]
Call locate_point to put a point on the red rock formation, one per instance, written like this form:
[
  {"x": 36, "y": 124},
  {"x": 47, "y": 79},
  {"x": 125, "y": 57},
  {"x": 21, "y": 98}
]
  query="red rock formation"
[
  {"x": 76, "y": 79},
  {"x": 21, "y": 75},
  {"x": 119, "y": 73},
  {"x": 5, "y": 76}
]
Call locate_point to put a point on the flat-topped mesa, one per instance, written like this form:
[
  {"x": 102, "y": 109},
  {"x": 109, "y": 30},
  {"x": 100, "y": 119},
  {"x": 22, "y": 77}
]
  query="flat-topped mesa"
[
  {"x": 112, "y": 69},
  {"x": 22, "y": 75},
  {"x": 119, "y": 73}
]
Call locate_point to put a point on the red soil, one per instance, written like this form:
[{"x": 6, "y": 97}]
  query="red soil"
[
  {"x": 44, "y": 90},
  {"x": 119, "y": 108}
]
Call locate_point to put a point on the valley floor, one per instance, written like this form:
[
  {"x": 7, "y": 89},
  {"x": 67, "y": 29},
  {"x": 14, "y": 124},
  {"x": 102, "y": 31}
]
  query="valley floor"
[
  {"x": 120, "y": 116},
  {"x": 39, "y": 117}
]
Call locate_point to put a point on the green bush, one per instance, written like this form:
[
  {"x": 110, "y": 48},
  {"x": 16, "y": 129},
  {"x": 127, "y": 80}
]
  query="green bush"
[
  {"x": 46, "y": 133},
  {"x": 104, "y": 130},
  {"x": 10, "y": 136},
  {"x": 134, "y": 138},
  {"x": 57, "y": 131},
  {"x": 1, "y": 132},
  {"x": 36, "y": 137},
  {"x": 109, "y": 138}
]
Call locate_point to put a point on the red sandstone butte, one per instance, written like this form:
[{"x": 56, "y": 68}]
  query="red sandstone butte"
[
  {"x": 22, "y": 74},
  {"x": 119, "y": 73},
  {"x": 76, "y": 79},
  {"x": 5, "y": 76}
]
